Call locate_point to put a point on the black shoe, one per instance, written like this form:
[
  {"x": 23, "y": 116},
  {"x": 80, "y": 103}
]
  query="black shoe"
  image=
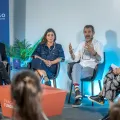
[
  {"x": 48, "y": 83},
  {"x": 107, "y": 117},
  {"x": 77, "y": 94},
  {"x": 7, "y": 81},
  {"x": 98, "y": 99},
  {"x": 77, "y": 103}
]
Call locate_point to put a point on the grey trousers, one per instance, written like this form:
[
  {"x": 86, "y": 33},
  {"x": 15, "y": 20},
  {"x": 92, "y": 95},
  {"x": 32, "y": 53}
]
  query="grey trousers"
[{"x": 79, "y": 72}]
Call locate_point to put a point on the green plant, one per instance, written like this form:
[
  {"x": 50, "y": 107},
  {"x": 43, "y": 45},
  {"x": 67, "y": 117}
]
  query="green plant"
[{"x": 19, "y": 49}]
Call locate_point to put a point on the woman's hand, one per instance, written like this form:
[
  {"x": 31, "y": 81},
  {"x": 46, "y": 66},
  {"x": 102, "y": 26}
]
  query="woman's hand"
[
  {"x": 116, "y": 71},
  {"x": 36, "y": 56},
  {"x": 48, "y": 62}
]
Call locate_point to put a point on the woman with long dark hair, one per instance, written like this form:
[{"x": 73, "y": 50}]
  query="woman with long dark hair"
[
  {"x": 47, "y": 55},
  {"x": 26, "y": 94}
]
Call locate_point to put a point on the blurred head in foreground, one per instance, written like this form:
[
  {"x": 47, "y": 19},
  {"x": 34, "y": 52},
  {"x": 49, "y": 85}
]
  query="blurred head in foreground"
[{"x": 26, "y": 93}]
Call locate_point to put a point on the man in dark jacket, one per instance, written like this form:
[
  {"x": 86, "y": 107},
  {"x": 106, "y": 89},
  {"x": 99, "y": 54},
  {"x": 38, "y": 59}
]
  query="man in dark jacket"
[{"x": 4, "y": 77}]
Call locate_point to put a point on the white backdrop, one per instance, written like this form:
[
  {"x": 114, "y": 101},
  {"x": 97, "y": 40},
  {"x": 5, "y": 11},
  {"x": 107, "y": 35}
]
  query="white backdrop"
[{"x": 67, "y": 18}]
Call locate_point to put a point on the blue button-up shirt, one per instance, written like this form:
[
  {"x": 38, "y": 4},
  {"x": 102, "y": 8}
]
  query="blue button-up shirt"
[{"x": 52, "y": 53}]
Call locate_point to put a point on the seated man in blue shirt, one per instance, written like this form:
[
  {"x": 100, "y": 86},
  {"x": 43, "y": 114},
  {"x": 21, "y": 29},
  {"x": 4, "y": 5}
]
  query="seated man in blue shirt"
[{"x": 47, "y": 55}]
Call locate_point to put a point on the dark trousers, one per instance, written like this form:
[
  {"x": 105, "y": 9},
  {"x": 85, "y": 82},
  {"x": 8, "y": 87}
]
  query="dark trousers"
[{"x": 4, "y": 77}]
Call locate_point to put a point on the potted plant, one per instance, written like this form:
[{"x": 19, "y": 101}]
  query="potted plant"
[{"x": 19, "y": 52}]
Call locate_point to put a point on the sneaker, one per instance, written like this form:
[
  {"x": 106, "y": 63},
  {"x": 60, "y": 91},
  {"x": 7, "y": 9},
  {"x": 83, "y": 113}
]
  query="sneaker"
[
  {"x": 77, "y": 103},
  {"x": 77, "y": 94},
  {"x": 97, "y": 99},
  {"x": 107, "y": 117}
]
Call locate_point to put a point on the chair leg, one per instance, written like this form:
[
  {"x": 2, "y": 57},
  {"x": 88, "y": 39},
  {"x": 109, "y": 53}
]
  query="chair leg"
[
  {"x": 54, "y": 83},
  {"x": 92, "y": 87},
  {"x": 42, "y": 80},
  {"x": 99, "y": 82},
  {"x": 82, "y": 89},
  {"x": 70, "y": 92}
]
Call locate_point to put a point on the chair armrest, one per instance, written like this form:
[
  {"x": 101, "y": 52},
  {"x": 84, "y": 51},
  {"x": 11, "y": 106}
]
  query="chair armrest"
[
  {"x": 58, "y": 70},
  {"x": 8, "y": 68},
  {"x": 29, "y": 65},
  {"x": 95, "y": 71},
  {"x": 69, "y": 68}
]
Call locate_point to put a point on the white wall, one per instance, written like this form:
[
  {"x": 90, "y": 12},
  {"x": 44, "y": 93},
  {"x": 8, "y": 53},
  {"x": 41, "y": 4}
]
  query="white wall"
[
  {"x": 19, "y": 19},
  {"x": 17, "y": 14},
  {"x": 11, "y": 20},
  {"x": 68, "y": 17}
]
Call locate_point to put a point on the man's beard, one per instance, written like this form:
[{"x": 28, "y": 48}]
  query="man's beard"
[{"x": 90, "y": 38}]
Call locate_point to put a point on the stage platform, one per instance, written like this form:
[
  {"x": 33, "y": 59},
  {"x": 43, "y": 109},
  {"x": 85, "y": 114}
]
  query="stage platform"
[{"x": 52, "y": 101}]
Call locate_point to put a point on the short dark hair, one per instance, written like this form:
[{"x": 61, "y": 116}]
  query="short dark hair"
[{"x": 90, "y": 26}]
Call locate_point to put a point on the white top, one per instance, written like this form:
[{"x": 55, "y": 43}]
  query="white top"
[{"x": 86, "y": 59}]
